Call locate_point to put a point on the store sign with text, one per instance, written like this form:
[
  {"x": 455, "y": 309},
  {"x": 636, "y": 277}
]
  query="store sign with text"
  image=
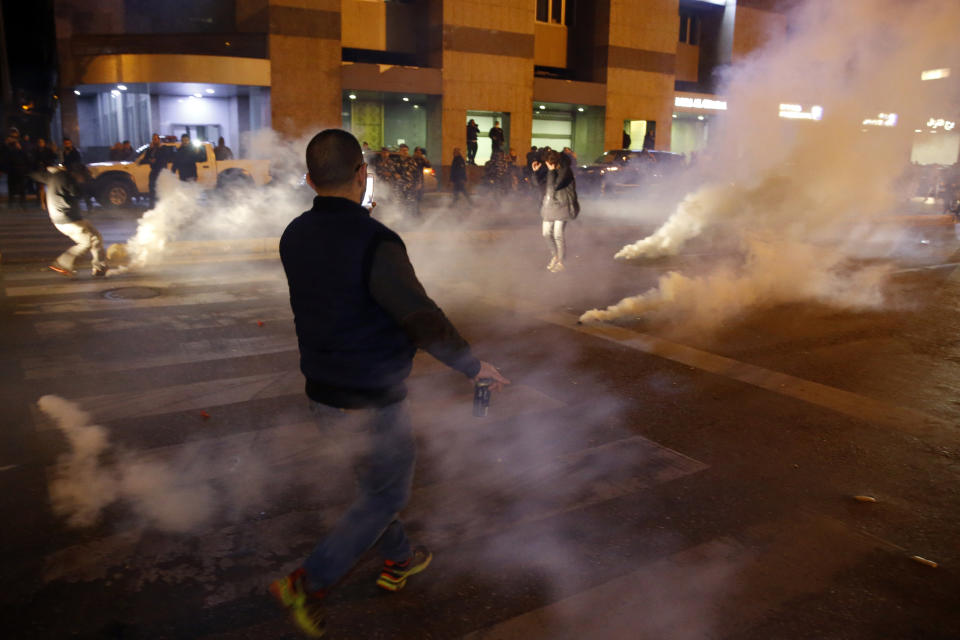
[
  {"x": 798, "y": 112},
  {"x": 881, "y": 120},
  {"x": 699, "y": 103},
  {"x": 940, "y": 123}
]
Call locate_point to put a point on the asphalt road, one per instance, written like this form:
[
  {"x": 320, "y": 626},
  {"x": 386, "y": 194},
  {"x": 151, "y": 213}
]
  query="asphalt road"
[{"x": 637, "y": 480}]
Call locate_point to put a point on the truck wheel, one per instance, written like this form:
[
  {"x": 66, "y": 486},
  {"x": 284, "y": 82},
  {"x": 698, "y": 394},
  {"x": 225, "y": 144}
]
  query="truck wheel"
[
  {"x": 234, "y": 179},
  {"x": 115, "y": 193}
]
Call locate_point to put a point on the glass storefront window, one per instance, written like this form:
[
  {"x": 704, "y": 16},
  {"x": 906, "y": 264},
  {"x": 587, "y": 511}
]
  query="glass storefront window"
[
  {"x": 689, "y": 132},
  {"x": 107, "y": 114},
  {"x": 387, "y": 119}
]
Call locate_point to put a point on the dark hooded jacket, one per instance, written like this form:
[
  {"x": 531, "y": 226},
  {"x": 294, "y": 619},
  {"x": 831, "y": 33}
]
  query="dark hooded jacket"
[{"x": 560, "y": 193}]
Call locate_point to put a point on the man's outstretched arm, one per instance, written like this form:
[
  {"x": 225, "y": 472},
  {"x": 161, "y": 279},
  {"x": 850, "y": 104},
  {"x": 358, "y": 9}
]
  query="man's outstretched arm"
[{"x": 394, "y": 285}]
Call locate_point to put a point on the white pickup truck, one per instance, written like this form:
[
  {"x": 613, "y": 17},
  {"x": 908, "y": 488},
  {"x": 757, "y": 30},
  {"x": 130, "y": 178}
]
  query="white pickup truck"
[{"x": 116, "y": 184}]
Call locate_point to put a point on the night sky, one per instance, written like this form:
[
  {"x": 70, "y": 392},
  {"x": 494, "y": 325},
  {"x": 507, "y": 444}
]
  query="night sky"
[{"x": 31, "y": 44}]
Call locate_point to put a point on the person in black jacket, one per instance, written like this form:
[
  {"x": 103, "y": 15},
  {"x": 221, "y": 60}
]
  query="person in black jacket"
[
  {"x": 559, "y": 204},
  {"x": 71, "y": 155},
  {"x": 496, "y": 139},
  {"x": 473, "y": 129},
  {"x": 360, "y": 315},
  {"x": 186, "y": 158},
  {"x": 17, "y": 164},
  {"x": 43, "y": 158},
  {"x": 458, "y": 177},
  {"x": 157, "y": 157},
  {"x": 73, "y": 161}
]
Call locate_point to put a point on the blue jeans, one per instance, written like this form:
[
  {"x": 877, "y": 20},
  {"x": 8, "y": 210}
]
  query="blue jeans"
[{"x": 383, "y": 465}]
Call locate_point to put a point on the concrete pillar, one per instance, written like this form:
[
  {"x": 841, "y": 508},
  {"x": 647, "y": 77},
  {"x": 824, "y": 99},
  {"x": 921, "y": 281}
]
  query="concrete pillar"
[
  {"x": 488, "y": 66},
  {"x": 69, "y": 121},
  {"x": 641, "y": 58},
  {"x": 435, "y": 137},
  {"x": 304, "y": 49}
]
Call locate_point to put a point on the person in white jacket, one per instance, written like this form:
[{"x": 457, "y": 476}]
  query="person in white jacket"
[{"x": 64, "y": 190}]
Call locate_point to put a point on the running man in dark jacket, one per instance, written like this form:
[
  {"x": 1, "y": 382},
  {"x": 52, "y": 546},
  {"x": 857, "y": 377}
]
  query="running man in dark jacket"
[{"x": 360, "y": 314}]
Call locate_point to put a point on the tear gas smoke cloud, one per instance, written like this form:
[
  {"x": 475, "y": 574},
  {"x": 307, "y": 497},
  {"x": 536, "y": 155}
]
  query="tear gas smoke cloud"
[
  {"x": 176, "y": 495},
  {"x": 806, "y": 188},
  {"x": 186, "y": 211}
]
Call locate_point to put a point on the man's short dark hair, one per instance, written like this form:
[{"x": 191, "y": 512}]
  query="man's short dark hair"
[{"x": 333, "y": 157}]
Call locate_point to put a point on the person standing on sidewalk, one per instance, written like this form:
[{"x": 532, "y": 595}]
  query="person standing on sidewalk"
[
  {"x": 64, "y": 189},
  {"x": 360, "y": 315}
]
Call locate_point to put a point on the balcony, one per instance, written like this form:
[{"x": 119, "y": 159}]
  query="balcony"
[{"x": 238, "y": 45}]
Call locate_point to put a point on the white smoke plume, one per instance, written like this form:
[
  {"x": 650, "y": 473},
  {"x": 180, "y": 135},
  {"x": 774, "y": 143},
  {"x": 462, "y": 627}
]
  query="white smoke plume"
[
  {"x": 188, "y": 211},
  {"x": 176, "y": 495},
  {"x": 80, "y": 489},
  {"x": 809, "y": 189}
]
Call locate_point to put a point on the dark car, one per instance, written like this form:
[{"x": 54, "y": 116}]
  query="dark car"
[{"x": 621, "y": 169}]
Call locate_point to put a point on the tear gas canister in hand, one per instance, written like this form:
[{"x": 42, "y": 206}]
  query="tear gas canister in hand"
[{"x": 481, "y": 396}]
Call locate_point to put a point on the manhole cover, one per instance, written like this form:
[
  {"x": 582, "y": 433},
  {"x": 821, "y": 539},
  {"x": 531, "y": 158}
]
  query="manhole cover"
[{"x": 131, "y": 293}]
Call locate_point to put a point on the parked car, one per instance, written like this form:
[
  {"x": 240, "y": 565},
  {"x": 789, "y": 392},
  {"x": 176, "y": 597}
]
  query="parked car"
[
  {"x": 628, "y": 168},
  {"x": 116, "y": 184}
]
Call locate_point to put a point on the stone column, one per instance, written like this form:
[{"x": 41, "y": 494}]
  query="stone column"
[
  {"x": 487, "y": 66},
  {"x": 641, "y": 57},
  {"x": 304, "y": 50}
]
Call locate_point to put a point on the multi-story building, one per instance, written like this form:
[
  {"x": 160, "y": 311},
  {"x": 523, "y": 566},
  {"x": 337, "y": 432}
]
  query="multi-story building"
[{"x": 577, "y": 73}]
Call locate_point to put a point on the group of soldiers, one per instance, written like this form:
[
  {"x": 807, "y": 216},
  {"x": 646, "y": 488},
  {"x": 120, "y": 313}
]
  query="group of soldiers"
[{"x": 400, "y": 175}]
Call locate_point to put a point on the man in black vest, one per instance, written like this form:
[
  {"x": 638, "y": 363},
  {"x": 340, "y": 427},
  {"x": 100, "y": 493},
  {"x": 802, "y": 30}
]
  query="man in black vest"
[{"x": 360, "y": 315}]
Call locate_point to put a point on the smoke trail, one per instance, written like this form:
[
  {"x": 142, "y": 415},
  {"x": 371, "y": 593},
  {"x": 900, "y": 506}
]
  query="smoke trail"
[
  {"x": 187, "y": 210},
  {"x": 700, "y": 303},
  {"x": 177, "y": 495},
  {"x": 81, "y": 489},
  {"x": 807, "y": 184}
]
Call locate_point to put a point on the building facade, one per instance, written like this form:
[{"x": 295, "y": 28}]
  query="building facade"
[{"x": 585, "y": 74}]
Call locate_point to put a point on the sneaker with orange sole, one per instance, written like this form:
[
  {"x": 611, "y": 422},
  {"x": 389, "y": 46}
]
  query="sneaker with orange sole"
[
  {"x": 62, "y": 271},
  {"x": 394, "y": 575},
  {"x": 306, "y": 608}
]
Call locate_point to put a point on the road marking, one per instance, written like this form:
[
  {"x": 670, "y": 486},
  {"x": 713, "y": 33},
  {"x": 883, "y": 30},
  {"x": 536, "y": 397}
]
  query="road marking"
[
  {"x": 58, "y": 285},
  {"x": 875, "y": 412},
  {"x": 688, "y": 594},
  {"x": 49, "y": 366}
]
